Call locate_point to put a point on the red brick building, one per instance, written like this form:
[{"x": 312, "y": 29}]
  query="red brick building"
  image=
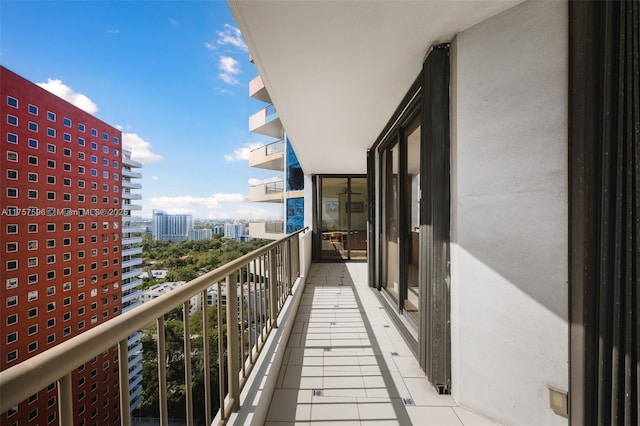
[{"x": 60, "y": 245}]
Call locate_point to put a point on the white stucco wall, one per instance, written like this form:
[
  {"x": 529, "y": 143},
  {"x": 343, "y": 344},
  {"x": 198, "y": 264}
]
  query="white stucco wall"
[{"x": 509, "y": 214}]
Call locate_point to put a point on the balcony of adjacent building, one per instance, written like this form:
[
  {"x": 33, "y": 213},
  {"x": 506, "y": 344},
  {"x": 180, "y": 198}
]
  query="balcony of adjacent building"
[
  {"x": 131, "y": 174},
  {"x": 257, "y": 90},
  {"x": 269, "y": 192},
  {"x": 131, "y": 196},
  {"x": 269, "y": 230},
  {"x": 266, "y": 122},
  {"x": 133, "y": 229},
  {"x": 128, "y": 206},
  {"x": 131, "y": 185},
  {"x": 127, "y": 161},
  {"x": 328, "y": 353},
  {"x": 269, "y": 156}
]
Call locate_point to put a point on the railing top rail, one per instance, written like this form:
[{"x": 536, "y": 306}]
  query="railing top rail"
[
  {"x": 274, "y": 183},
  {"x": 279, "y": 141},
  {"x": 28, "y": 377}
]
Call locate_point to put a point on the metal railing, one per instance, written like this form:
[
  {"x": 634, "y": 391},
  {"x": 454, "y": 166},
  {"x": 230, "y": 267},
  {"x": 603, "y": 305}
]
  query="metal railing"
[
  {"x": 271, "y": 148},
  {"x": 274, "y": 227},
  {"x": 256, "y": 286}
]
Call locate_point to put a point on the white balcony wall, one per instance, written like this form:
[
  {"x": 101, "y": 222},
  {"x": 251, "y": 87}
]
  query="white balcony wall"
[
  {"x": 270, "y": 192},
  {"x": 258, "y": 91},
  {"x": 259, "y": 230},
  {"x": 266, "y": 122},
  {"x": 509, "y": 223},
  {"x": 270, "y": 157}
]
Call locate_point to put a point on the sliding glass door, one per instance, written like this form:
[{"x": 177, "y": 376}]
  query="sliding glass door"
[
  {"x": 401, "y": 219},
  {"x": 343, "y": 218}
]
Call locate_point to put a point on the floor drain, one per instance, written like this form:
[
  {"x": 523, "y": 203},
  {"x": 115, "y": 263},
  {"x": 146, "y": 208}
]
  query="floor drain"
[
  {"x": 317, "y": 392},
  {"x": 395, "y": 354},
  {"x": 332, "y": 323},
  {"x": 327, "y": 349},
  {"x": 387, "y": 326},
  {"x": 407, "y": 401}
]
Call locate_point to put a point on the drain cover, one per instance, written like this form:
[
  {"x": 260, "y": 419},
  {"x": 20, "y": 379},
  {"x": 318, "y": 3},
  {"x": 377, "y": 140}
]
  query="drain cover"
[{"x": 408, "y": 401}]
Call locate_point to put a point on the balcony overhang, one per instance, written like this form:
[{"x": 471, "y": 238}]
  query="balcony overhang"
[
  {"x": 258, "y": 91},
  {"x": 269, "y": 157},
  {"x": 266, "y": 122},
  {"x": 337, "y": 71},
  {"x": 272, "y": 192}
]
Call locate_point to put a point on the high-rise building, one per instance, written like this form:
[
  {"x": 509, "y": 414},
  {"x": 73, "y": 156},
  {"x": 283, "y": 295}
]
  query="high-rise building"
[
  {"x": 63, "y": 252},
  {"x": 131, "y": 270},
  {"x": 236, "y": 231},
  {"x": 200, "y": 234},
  {"x": 277, "y": 156},
  {"x": 171, "y": 227}
]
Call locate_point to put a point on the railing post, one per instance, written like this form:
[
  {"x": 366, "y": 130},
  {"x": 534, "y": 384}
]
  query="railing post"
[
  {"x": 289, "y": 267},
  {"x": 221, "y": 381},
  {"x": 205, "y": 350},
  {"x": 162, "y": 373},
  {"x": 232, "y": 342},
  {"x": 65, "y": 400},
  {"x": 187, "y": 363},
  {"x": 123, "y": 381},
  {"x": 273, "y": 289}
]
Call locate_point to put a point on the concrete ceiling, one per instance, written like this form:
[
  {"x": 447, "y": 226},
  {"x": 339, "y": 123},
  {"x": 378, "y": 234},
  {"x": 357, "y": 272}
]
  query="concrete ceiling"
[{"x": 337, "y": 70}]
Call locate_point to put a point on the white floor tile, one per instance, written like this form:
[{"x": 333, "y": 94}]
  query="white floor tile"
[
  {"x": 469, "y": 418},
  {"x": 336, "y": 372},
  {"x": 433, "y": 416}
]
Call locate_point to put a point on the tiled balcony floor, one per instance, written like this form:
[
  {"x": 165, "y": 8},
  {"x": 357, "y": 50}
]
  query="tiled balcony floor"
[{"x": 347, "y": 364}]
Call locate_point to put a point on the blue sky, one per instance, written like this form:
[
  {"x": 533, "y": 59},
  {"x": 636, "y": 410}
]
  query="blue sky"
[{"x": 173, "y": 75}]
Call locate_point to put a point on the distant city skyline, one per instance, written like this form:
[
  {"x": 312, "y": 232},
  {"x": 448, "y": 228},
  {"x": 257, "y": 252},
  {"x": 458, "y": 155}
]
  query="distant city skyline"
[{"x": 173, "y": 76}]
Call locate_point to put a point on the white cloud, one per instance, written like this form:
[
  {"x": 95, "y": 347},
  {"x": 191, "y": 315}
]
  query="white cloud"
[
  {"x": 214, "y": 201},
  {"x": 155, "y": 178},
  {"x": 243, "y": 153},
  {"x": 140, "y": 149},
  {"x": 210, "y": 46},
  {"x": 58, "y": 88},
  {"x": 232, "y": 35},
  {"x": 230, "y": 68},
  {"x": 254, "y": 181},
  {"x": 113, "y": 31}
]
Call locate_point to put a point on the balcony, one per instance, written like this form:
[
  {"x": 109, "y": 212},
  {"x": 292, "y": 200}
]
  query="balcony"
[
  {"x": 131, "y": 251},
  {"x": 131, "y": 240},
  {"x": 131, "y": 185},
  {"x": 330, "y": 353},
  {"x": 131, "y": 173},
  {"x": 269, "y": 156},
  {"x": 266, "y": 122},
  {"x": 133, "y": 284},
  {"x": 258, "y": 91},
  {"x": 132, "y": 262},
  {"x": 267, "y": 192},
  {"x": 130, "y": 196},
  {"x": 133, "y": 229},
  {"x": 266, "y": 230},
  {"x": 131, "y": 163}
]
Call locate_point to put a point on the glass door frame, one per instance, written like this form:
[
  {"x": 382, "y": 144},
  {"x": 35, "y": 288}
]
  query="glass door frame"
[
  {"x": 398, "y": 138},
  {"x": 428, "y": 99},
  {"x": 317, "y": 217}
]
